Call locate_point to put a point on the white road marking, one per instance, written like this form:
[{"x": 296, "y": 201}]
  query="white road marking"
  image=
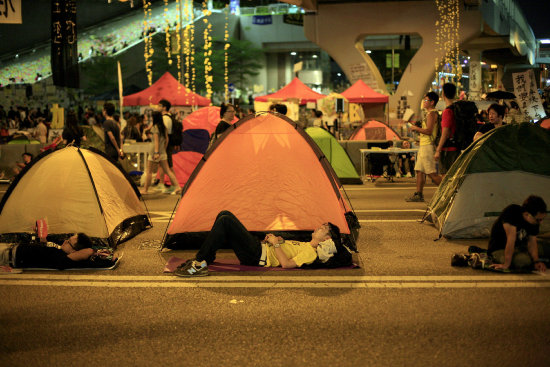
[
  {"x": 388, "y": 220},
  {"x": 384, "y": 188},
  {"x": 388, "y": 210},
  {"x": 213, "y": 281}
]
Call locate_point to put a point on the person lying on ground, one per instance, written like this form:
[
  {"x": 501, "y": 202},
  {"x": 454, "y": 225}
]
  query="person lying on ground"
[
  {"x": 273, "y": 251},
  {"x": 513, "y": 241},
  {"x": 76, "y": 248}
]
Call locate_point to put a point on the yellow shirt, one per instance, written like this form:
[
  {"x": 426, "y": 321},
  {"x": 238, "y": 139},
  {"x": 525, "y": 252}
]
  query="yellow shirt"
[
  {"x": 428, "y": 139},
  {"x": 300, "y": 252}
]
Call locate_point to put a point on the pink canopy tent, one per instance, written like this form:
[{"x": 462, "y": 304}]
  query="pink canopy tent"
[
  {"x": 359, "y": 92},
  {"x": 374, "y": 130},
  {"x": 293, "y": 90},
  {"x": 166, "y": 87}
]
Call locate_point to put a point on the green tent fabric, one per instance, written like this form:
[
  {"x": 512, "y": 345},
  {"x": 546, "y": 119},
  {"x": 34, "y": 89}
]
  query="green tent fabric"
[
  {"x": 503, "y": 167},
  {"x": 336, "y": 155}
]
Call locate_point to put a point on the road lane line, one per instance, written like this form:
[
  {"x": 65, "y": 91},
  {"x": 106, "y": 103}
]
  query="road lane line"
[
  {"x": 385, "y": 188},
  {"x": 282, "y": 278},
  {"x": 275, "y": 284},
  {"x": 388, "y": 220},
  {"x": 365, "y": 282},
  {"x": 388, "y": 210}
]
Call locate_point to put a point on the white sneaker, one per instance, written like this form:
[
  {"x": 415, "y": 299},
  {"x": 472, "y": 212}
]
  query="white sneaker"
[
  {"x": 398, "y": 175},
  {"x": 408, "y": 175}
]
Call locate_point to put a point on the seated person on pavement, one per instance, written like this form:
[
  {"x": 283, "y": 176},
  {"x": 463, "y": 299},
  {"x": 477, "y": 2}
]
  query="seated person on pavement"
[{"x": 513, "y": 242}]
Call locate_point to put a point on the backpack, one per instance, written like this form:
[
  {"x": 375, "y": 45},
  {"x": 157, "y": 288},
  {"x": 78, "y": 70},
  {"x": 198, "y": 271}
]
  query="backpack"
[
  {"x": 436, "y": 132},
  {"x": 465, "y": 124},
  {"x": 176, "y": 138}
]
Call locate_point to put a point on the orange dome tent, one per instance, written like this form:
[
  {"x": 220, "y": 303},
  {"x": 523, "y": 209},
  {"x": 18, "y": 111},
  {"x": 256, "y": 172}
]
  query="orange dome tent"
[{"x": 253, "y": 172}]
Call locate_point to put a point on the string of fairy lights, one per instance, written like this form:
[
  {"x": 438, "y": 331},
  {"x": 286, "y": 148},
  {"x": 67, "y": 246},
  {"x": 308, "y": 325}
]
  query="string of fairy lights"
[
  {"x": 447, "y": 39},
  {"x": 184, "y": 50}
]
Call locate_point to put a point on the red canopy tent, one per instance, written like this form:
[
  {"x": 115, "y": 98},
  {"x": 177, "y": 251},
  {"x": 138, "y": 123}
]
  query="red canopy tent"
[
  {"x": 293, "y": 90},
  {"x": 166, "y": 87},
  {"x": 359, "y": 92}
]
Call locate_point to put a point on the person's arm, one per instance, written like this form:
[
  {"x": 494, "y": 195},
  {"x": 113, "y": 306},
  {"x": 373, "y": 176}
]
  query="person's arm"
[
  {"x": 113, "y": 141},
  {"x": 510, "y": 231},
  {"x": 430, "y": 123},
  {"x": 156, "y": 152},
  {"x": 275, "y": 241},
  {"x": 445, "y": 133},
  {"x": 80, "y": 255},
  {"x": 533, "y": 249},
  {"x": 285, "y": 262}
]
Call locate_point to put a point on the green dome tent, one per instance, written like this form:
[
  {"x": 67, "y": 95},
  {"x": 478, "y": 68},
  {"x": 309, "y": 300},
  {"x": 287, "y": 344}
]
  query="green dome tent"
[
  {"x": 503, "y": 167},
  {"x": 336, "y": 155}
]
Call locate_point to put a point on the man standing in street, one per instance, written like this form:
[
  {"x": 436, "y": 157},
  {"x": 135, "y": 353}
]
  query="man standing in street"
[
  {"x": 113, "y": 146},
  {"x": 425, "y": 162},
  {"x": 164, "y": 108},
  {"x": 447, "y": 151}
]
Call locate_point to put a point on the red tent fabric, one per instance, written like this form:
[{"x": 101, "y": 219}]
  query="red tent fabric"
[
  {"x": 359, "y": 92},
  {"x": 166, "y": 87},
  {"x": 374, "y": 130},
  {"x": 186, "y": 159},
  {"x": 294, "y": 89}
]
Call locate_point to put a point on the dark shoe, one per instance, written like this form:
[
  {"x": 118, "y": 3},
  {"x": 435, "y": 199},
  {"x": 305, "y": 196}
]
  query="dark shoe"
[
  {"x": 192, "y": 268},
  {"x": 415, "y": 198},
  {"x": 460, "y": 259}
]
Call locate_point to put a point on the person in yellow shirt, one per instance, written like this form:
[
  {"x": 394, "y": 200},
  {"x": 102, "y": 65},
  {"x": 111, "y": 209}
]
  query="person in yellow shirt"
[{"x": 273, "y": 251}]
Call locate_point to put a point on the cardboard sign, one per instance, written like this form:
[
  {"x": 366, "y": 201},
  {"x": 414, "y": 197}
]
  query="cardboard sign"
[
  {"x": 10, "y": 12},
  {"x": 527, "y": 95}
]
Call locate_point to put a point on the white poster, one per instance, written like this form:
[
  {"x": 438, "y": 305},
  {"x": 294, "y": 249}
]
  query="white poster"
[
  {"x": 527, "y": 95},
  {"x": 361, "y": 71},
  {"x": 10, "y": 12}
]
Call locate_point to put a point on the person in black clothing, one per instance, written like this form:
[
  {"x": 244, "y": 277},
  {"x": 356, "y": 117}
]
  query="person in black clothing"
[
  {"x": 513, "y": 241},
  {"x": 76, "y": 248},
  {"x": 227, "y": 114},
  {"x": 113, "y": 146},
  {"x": 496, "y": 116},
  {"x": 72, "y": 133}
]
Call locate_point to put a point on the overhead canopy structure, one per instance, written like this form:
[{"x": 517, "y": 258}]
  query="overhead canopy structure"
[
  {"x": 359, "y": 92},
  {"x": 77, "y": 190},
  {"x": 253, "y": 172},
  {"x": 166, "y": 87},
  {"x": 293, "y": 90},
  {"x": 336, "y": 155},
  {"x": 503, "y": 167},
  {"x": 374, "y": 130}
]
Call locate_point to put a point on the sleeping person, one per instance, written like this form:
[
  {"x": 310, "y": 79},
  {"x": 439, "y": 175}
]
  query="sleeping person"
[
  {"x": 273, "y": 251},
  {"x": 75, "y": 249}
]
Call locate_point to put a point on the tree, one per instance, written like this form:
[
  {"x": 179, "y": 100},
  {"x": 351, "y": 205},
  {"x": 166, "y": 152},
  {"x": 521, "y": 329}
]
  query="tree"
[{"x": 100, "y": 74}]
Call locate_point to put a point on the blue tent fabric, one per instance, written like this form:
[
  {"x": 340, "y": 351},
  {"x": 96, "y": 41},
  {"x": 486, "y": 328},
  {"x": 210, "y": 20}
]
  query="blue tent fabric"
[{"x": 195, "y": 140}]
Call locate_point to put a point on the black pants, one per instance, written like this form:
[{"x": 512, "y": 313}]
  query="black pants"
[{"x": 228, "y": 231}]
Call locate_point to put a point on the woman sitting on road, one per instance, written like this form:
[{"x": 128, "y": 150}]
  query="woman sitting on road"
[{"x": 273, "y": 251}]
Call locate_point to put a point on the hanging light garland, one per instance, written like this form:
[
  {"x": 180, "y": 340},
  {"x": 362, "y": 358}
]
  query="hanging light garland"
[
  {"x": 226, "y": 54},
  {"x": 178, "y": 40},
  {"x": 447, "y": 39},
  {"x": 147, "y": 41},
  {"x": 207, "y": 50},
  {"x": 167, "y": 32}
]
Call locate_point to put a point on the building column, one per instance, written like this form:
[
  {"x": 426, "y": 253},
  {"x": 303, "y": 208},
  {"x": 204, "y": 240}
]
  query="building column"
[
  {"x": 500, "y": 74},
  {"x": 475, "y": 75}
]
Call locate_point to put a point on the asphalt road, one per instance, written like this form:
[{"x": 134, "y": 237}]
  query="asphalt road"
[{"x": 405, "y": 306}]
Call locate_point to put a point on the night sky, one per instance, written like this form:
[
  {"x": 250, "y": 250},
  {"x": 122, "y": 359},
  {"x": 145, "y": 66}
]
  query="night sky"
[{"x": 537, "y": 13}]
